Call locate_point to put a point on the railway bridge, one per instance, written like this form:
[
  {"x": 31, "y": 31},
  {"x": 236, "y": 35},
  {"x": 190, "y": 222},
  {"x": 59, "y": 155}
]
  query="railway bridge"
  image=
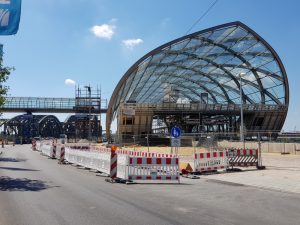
[{"x": 85, "y": 109}]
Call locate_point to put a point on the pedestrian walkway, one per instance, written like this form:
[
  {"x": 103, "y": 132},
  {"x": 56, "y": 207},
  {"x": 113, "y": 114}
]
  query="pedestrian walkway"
[{"x": 282, "y": 174}]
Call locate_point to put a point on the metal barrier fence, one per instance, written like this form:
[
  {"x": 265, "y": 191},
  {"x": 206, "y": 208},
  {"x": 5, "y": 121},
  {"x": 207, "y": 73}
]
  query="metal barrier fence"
[{"x": 243, "y": 157}]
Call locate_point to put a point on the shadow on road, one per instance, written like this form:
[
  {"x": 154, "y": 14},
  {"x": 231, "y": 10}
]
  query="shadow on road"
[
  {"x": 17, "y": 169},
  {"x": 5, "y": 159},
  {"x": 22, "y": 184}
]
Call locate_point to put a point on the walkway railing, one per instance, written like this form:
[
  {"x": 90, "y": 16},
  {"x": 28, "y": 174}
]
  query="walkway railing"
[
  {"x": 35, "y": 104},
  {"x": 202, "y": 107}
]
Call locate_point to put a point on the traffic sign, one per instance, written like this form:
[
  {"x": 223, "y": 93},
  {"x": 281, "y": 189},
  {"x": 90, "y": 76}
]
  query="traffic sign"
[
  {"x": 175, "y": 142},
  {"x": 175, "y": 132}
]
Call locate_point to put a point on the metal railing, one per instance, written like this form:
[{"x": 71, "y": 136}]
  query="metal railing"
[
  {"x": 204, "y": 107},
  {"x": 36, "y": 103},
  {"x": 32, "y": 102}
]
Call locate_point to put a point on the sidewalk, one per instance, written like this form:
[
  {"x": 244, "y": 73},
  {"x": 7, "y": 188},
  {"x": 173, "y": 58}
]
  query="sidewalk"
[{"x": 282, "y": 174}]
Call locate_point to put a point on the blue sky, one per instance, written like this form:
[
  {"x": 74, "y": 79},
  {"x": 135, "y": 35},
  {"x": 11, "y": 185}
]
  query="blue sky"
[{"x": 96, "y": 41}]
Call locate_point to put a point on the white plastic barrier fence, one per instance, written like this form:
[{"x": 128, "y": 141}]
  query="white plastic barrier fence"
[
  {"x": 47, "y": 148},
  {"x": 58, "y": 150},
  {"x": 210, "y": 161},
  {"x": 131, "y": 168},
  {"x": 38, "y": 146},
  {"x": 97, "y": 158}
]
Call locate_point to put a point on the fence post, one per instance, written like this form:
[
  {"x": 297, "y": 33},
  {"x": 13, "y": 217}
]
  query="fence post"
[{"x": 259, "y": 166}]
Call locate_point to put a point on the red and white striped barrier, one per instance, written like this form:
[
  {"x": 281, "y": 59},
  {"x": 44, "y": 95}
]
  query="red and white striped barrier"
[
  {"x": 113, "y": 164},
  {"x": 34, "y": 144},
  {"x": 242, "y": 157},
  {"x": 157, "y": 169},
  {"x": 54, "y": 145},
  {"x": 210, "y": 161},
  {"x": 62, "y": 155},
  {"x": 146, "y": 154}
]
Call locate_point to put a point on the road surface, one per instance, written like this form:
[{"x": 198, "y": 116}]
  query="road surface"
[{"x": 35, "y": 190}]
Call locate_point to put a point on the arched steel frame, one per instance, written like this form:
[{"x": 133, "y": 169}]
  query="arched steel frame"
[
  {"x": 28, "y": 126},
  {"x": 76, "y": 127},
  {"x": 122, "y": 87}
]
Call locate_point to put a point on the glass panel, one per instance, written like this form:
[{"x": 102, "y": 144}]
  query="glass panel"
[
  {"x": 271, "y": 67},
  {"x": 267, "y": 82},
  {"x": 249, "y": 89},
  {"x": 244, "y": 44},
  {"x": 223, "y": 58},
  {"x": 219, "y": 35},
  {"x": 180, "y": 45},
  {"x": 203, "y": 49},
  {"x": 205, "y": 35},
  {"x": 157, "y": 57},
  {"x": 256, "y": 97},
  {"x": 269, "y": 101},
  {"x": 235, "y": 36},
  {"x": 234, "y": 61},
  {"x": 169, "y": 58},
  {"x": 259, "y": 60}
]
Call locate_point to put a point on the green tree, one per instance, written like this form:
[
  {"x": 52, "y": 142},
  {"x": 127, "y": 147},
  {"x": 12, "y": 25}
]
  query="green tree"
[{"x": 4, "y": 74}]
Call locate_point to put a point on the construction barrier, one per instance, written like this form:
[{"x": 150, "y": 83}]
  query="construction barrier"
[
  {"x": 33, "y": 144},
  {"x": 210, "y": 161},
  {"x": 38, "y": 145},
  {"x": 146, "y": 154},
  {"x": 242, "y": 157},
  {"x": 62, "y": 155},
  {"x": 97, "y": 158},
  {"x": 47, "y": 148},
  {"x": 54, "y": 146},
  {"x": 158, "y": 169},
  {"x": 113, "y": 163}
]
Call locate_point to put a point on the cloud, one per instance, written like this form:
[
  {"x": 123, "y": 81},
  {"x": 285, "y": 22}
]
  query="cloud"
[
  {"x": 131, "y": 43},
  {"x": 113, "y": 20},
  {"x": 105, "y": 31},
  {"x": 70, "y": 82}
]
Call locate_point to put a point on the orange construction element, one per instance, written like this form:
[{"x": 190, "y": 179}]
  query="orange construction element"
[
  {"x": 185, "y": 168},
  {"x": 114, "y": 147}
]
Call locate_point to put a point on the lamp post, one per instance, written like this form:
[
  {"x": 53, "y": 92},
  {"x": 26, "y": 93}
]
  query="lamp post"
[
  {"x": 147, "y": 137},
  {"x": 242, "y": 113},
  {"x": 90, "y": 102}
]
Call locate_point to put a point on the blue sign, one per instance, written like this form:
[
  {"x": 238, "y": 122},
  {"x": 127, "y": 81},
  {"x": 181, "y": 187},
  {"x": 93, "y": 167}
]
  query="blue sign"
[
  {"x": 10, "y": 13},
  {"x": 175, "y": 132}
]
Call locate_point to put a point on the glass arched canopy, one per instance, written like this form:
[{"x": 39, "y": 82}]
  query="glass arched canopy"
[{"x": 210, "y": 61}]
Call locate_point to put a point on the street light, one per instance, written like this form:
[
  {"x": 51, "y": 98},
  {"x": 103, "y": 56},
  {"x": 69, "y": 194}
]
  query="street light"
[
  {"x": 242, "y": 114},
  {"x": 90, "y": 103}
]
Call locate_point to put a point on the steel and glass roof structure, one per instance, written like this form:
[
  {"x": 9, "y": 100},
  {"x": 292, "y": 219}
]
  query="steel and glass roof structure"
[{"x": 209, "y": 61}]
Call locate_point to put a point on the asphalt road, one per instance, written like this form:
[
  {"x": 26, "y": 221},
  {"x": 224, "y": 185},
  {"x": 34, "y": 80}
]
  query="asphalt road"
[{"x": 35, "y": 190}]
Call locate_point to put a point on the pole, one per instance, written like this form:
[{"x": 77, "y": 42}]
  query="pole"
[
  {"x": 242, "y": 113},
  {"x": 90, "y": 109},
  {"x": 148, "y": 141},
  {"x": 133, "y": 142}
]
